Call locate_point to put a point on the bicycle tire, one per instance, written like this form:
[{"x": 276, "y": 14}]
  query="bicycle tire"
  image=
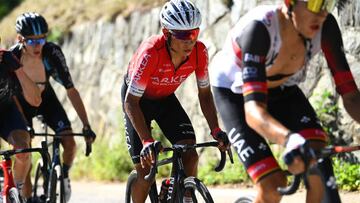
[
  {"x": 56, "y": 190},
  {"x": 245, "y": 199},
  {"x": 14, "y": 196},
  {"x": 40, "y": 183},
  {"x": 200, "y": 193},
  {"x": 130, "y": 181},
  {"x": 52, "y": 196}
]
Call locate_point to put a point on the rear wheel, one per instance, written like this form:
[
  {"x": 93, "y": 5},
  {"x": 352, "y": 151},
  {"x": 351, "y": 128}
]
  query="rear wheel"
[
  {"x": 130, "y": 181},
  {"x": 199, "y": 192}
]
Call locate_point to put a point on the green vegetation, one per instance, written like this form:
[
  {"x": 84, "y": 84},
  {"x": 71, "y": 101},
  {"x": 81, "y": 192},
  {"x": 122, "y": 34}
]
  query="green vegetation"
[
  {"x": 6, "y": 6},
  {"x": 346, "y": 166}
]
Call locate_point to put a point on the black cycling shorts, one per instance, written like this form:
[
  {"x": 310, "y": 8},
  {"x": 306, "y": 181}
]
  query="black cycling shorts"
[
  {"x": 288, "y": 105},
  {"x": 168, "y": 114},
  {"x": 50, "y": 108},
  {"x": 10, "y": 120}
]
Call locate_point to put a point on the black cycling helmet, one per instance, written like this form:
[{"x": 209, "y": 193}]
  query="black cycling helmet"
[{"x": 31, "y": 23}]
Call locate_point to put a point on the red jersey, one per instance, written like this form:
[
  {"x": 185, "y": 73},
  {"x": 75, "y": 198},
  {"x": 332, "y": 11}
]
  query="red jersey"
[{"x": 152, "y": 74}]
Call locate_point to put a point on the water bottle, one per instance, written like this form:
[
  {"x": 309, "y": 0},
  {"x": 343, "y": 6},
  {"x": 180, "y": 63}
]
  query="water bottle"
[{"x": 164, "y": 190}]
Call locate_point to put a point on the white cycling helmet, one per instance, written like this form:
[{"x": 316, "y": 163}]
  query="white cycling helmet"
[{"x": 180, "y": 15}]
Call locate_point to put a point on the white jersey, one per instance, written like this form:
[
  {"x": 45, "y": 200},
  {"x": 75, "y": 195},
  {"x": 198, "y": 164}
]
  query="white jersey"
[{"x": 226, "y": 67}]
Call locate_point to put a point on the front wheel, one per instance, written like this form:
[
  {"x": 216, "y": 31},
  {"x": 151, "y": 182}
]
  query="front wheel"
[
  {"x": 56, "y": 191},
  {"x": 245, "y": 199},
  {"x": 199, "y": 192},
  {"x": 40, "y": 182}
]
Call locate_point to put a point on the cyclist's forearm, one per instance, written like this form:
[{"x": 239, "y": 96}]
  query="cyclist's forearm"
[
  {"x": 263, "y": 123},
  {"x": 137, "y": 119},
  {"x": 208, "y": 108},
  {"x": 31, "y": 92},
  {"x": 78, "y": 105}
]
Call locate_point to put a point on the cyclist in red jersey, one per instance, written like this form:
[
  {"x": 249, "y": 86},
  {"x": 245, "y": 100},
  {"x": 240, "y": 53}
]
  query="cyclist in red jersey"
[
  {"x": 156, "y": 70},
  {"x": 255, "y": 77}
]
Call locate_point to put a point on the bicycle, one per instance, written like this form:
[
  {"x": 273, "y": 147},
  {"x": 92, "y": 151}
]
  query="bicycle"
[
  {"x": 51, "y": 181},
  {"x": 308, "y": 154},
  {"x": 179, "y": 183},
  {"x": 10, "y": 193}
]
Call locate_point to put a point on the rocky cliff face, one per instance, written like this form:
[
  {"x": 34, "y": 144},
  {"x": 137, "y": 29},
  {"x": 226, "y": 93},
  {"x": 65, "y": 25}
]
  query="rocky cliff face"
[{"x": 98, "y": 54}]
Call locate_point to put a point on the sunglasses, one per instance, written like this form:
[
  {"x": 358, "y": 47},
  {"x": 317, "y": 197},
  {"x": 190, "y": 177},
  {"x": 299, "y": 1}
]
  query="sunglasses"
[
  {"x": 34, "y": 42},
  {"x": 316, "y": 6},
  {"x": 185, "y": 34}
]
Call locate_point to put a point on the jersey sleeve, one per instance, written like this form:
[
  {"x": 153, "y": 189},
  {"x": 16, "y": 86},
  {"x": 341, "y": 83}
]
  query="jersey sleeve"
[
  {"x": 56, "y": 59},
  {"x": 333, "y": 48},
  {"x": 201, "y": 71},
  {"x": 252, "y": 46},
  {"x": 141, "y": 66}
]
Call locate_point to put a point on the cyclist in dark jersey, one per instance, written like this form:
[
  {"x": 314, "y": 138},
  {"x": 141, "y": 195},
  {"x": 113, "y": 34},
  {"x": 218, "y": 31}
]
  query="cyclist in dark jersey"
[
  {"x": 254, "y": 79},
  {"x": 42, "y": 59},
  {"x": 12, "y": 123},
  {"x": 156, "y": 70}
]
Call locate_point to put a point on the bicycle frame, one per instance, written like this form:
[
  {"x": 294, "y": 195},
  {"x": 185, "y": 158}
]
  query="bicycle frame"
[
  {"x": 178, "y": 172},
  {"x": 6, "y": 165}
]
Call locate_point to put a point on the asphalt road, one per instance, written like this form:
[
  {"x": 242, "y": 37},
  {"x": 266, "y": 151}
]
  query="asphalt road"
[{"x": 94, "y": 192}]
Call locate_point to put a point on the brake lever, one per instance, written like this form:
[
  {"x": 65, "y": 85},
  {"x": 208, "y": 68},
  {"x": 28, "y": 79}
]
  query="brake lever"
[{"x": 229, "y": 151}]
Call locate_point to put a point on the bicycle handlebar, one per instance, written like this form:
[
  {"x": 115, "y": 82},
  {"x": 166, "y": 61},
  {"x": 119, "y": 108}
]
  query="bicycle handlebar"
[
  {"x": 184, "y": 148},
  {"x": 43, "y": 150},
  {"x": 319, "y": 154},
  {"x": 88, "y": 148}
]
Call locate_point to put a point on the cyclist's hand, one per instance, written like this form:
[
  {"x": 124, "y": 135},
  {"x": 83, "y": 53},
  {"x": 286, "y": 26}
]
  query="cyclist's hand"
[
  {"x": 222, "y": 138},
  {"x": 147, "y": 154},
  {"x": 9, "y": 60},
  {"x": 89, "y": 134},
  {"x": 292, "y": 153}
]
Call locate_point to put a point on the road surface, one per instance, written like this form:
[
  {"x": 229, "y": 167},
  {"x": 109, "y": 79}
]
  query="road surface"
[{"x": 94, "y": 192}]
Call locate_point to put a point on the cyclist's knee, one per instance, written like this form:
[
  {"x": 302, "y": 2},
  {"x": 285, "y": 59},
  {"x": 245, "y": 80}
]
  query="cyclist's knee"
[
  {"x": 68, "y": 142},
  {"x": 191, "y": 156}
]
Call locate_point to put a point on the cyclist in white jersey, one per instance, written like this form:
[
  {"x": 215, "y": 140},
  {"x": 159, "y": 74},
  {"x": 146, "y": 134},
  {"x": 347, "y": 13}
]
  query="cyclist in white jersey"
[{"x": 255, "y": 77}]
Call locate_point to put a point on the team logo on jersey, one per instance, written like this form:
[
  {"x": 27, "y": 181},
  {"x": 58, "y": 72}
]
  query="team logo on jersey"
[
  {"x": 142, "y": 66},
  {"x": 250, "y": 72},
  {"x": 253, "y": 58},
  {"x": 173, "y": 80}
]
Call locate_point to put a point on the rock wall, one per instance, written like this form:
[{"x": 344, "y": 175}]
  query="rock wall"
[{"x": 98, "y": 54}]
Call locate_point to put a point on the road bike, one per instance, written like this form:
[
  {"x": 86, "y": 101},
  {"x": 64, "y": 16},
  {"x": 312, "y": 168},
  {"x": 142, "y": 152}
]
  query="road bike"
[
  {"x": 10, "y": 193},
  {"x": 49, "y": 185},
  {"x": 179, "y": 183}
]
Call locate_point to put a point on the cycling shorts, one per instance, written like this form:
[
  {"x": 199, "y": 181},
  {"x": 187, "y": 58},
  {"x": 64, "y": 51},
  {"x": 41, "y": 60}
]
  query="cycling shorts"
[
  {"x": 168, "y": 114},
  {"x": 50, "y": 108},
  {"x": 10, "y": 120},
  {"x": 286, "y": 104}
]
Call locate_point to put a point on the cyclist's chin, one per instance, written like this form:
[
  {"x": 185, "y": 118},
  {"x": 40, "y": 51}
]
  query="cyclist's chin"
[{"x": 36, "y": 53}]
